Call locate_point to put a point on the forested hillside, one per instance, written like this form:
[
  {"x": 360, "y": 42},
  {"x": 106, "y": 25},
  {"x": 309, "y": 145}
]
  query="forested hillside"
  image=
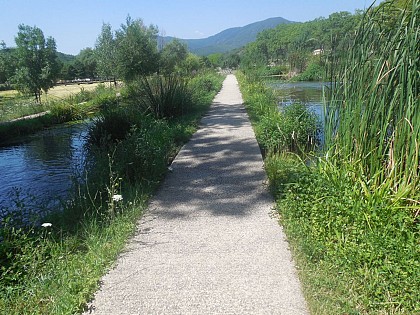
[
  {"x": 313, "y": 49},
  {"x": 232, "y": 38},
  {"x": 299, "y": 47}
]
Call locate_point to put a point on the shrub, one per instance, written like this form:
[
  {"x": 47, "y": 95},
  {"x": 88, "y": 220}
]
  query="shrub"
[
  {"x": 360, "y": 239},
  {"x": 204, "y": 86},
  {"x": 314, "y": 72},
  {"x": 161, "y": 96}
]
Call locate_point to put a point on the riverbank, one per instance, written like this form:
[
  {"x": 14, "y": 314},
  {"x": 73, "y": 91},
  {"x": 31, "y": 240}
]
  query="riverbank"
[
  {"x": 355, "y": 242},
  {"x": 54, "y": 268},
  {"x": 63, "y": 108}
]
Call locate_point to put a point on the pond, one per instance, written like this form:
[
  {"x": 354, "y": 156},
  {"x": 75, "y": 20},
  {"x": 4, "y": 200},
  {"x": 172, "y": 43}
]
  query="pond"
[
  {"x": 38, "y": 174},
  {"x": 311, "y": 94}
]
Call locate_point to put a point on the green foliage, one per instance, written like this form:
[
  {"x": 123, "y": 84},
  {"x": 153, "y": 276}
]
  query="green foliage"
[
  {"x": 162, "y": 96},
  {"x": 144, "y": 131},
  {"x": 364, "y": 241},
  {"x": 292, "y": 45},
  {"x": 204, "y": 86},
  {"x": 75, "y": 107},
  {"x": 82, "y": 66},
  {"x": 191, "y": 65},
  {"x": 105, "y": 53},
  {"x": 172, "y": 56},
  {"x": 378, "y": 123},
  {"x": 7, "y": 66},
  {"x": 136, "y": 51},
  {"x": 36, "y": 61},
  {"x": 56, "y": 269},
  {"x": 144, "y": 155},
  {"x": 351, "y": 216},
  {"x": 293, "y": 129},
  {"x": 313, "y": 72}
]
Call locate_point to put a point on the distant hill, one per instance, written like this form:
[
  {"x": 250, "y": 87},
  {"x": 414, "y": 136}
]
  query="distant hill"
[
  {"x": 64, "y": 58},
  {"x": 229, "y": 39}
]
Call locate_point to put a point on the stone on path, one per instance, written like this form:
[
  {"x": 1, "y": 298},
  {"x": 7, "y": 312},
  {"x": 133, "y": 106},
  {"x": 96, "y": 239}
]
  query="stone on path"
[{"x": 209, "y": 242}]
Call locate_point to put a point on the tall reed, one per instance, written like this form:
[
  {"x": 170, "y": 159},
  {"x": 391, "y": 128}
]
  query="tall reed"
[
  {"x": 163, "y": 96},
  {"x": 374, "y": 117}
]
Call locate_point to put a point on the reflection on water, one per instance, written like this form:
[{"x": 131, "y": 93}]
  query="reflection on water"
[
  {"x": 41, "y": 172},
  {"x": 311, "y": 94}
]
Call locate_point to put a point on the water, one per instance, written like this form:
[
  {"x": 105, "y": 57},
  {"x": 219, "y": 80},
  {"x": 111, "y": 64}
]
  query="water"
[
  {"x": 40, "y": 173},
  {"x": 309, "y": 93},
  {"x": 312, "y": 94}
]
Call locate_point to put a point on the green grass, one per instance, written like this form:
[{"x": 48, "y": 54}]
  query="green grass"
[
  {"x": 56, "y": 270},
  {"x": 13, "y": 105},
  {"x": 292, "y": 129},
  {"x": 357, "y": 248},
  {"x": 74, "y": 107},
  {"x": 352, "y": 215}
]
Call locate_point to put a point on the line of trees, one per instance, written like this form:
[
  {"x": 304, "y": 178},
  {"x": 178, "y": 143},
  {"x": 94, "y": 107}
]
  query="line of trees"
[{"x": 34, "y": 65}]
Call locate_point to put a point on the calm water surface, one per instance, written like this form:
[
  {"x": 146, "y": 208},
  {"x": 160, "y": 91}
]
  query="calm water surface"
[
  {"x": 308, "y": 93},
  {"x": 40, "y": 172}
]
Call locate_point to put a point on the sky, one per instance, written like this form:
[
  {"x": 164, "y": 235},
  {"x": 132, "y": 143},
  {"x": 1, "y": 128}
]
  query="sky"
[{"x": 75, "y": 24}]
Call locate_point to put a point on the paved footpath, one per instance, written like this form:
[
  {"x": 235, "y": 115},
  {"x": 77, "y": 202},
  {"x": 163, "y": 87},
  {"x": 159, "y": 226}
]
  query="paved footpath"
[{"x": 209, "y": 243}]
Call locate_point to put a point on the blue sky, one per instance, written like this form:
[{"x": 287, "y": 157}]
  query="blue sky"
[{"x": 75, "y": 24}]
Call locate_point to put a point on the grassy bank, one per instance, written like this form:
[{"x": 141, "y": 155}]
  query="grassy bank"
[
  {"x": 351, "y": 216},
  {"x": 14, "y": 105},
  {"x": 55, "y": 269},
  {"x": 63, "y": 106}
]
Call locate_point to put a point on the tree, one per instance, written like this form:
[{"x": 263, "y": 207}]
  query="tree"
[
  {"x": 87, "y": 64},
  {"x": 191, "y": 64},
  {"x": 136, "y": 51},
  {"x": 216, "y": 59},
  {"x": 37, "y": 65},
  {"x": 106, "y": 53},
  {"x": 172, "y": 55},
  {"x": 7, "y": 63}
]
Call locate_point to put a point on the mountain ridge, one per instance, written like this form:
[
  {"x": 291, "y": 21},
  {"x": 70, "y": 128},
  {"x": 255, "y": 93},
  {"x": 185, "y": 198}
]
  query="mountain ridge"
[{"x": 229, "y": 39}]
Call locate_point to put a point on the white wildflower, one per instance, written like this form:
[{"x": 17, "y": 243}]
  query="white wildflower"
[
  {"x": 117, "y": 198},
  {"x": 45, "y": 225}
]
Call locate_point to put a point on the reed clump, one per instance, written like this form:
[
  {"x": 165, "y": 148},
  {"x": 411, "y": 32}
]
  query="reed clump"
[{"x": 374, "y": 115}]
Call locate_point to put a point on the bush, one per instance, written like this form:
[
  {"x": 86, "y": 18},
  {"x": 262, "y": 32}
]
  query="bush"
[
  {"x": 110, "y": 126},
  {"x": 161, "y": 96},
  {"x": 204, "y": 86},
  {"x": 293, "y": 129},
  {"x": 144, "y": 154},
  {"x": 360, "y": 238},
  {"x": 314, "y": 72}
]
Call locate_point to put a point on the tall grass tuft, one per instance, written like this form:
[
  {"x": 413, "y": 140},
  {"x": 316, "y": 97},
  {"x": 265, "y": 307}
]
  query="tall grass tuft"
[
  {"x": 374, "y": 117},
  {"x": 163, "y": 96}
]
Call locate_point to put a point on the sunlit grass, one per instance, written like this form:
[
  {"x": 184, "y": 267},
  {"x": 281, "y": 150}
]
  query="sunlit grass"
[{"x": 13, "y": 105}]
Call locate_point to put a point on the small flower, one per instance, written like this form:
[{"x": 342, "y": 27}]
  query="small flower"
[
  {"x": 45, "y": 225},
  {"x": 117, "y": 198},
  {"x": 118, "y": 94}
]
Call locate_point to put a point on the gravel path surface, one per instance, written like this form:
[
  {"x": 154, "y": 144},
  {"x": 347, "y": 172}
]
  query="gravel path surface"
[{"x": 209, "y": 243}]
